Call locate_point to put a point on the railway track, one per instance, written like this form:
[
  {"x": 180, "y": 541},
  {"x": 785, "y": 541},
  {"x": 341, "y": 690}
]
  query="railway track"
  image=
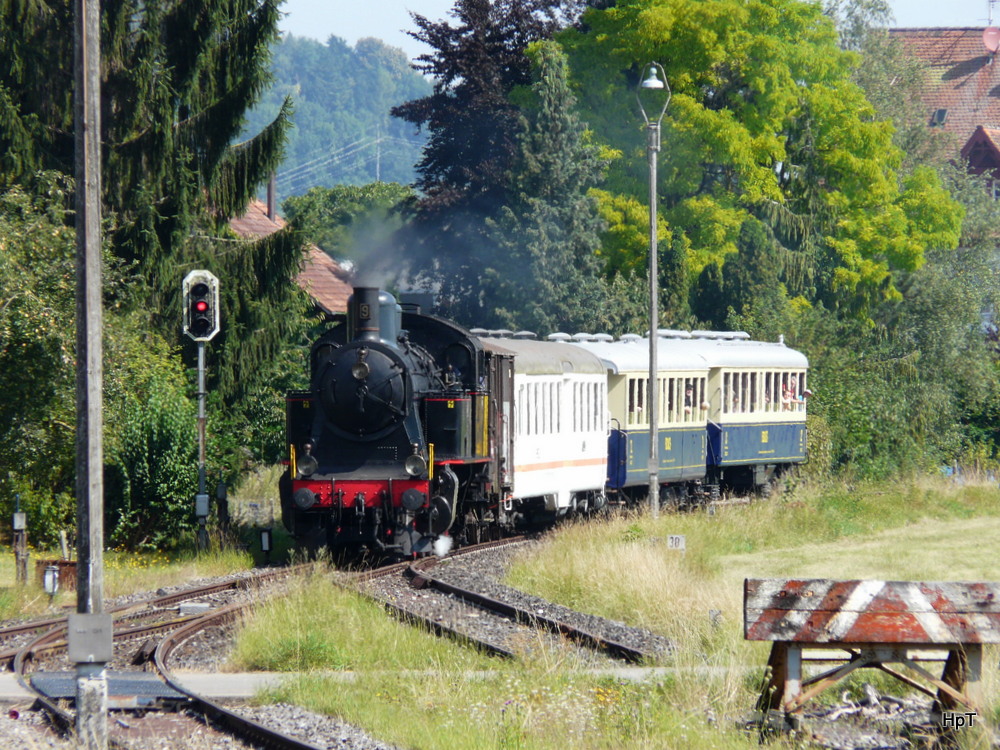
[
  {"x": 473, "y": 607},
  {"x": 151, "y": 634},
  {"x": 154, "y": 621}
]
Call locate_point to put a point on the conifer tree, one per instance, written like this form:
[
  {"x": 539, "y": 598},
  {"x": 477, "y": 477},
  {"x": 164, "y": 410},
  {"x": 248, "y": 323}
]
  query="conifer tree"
[
  {"x": 547, "y": 275},
  {"x": 473, "y": 130},
  {"x": 178, "y": 76}
]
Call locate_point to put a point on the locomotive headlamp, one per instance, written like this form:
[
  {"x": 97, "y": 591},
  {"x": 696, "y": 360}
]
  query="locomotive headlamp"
[
  {"x": 360, "y": 369},
  {"x": 415, "y": 465},
  {"x": 307, "y": 465}
]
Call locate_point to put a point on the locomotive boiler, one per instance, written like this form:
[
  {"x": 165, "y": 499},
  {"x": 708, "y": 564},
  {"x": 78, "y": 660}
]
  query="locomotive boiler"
[{"x": 389, "y": 445}]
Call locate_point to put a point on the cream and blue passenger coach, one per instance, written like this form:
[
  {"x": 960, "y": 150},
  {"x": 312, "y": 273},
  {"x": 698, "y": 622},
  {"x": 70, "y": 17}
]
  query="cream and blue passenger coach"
[
  {"x": 757, "y": 393},
  {"x": 682, "y": 407}
]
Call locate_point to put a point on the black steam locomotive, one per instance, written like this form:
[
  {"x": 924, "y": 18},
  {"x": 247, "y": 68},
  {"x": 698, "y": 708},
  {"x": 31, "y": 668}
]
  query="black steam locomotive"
[{"x": 389, "y": 447}]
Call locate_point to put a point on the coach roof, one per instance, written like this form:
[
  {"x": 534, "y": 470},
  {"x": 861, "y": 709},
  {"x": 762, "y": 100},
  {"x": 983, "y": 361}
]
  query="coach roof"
[
  {"x": 633, "y": 356},
  {"x": 545, "y": 357}
]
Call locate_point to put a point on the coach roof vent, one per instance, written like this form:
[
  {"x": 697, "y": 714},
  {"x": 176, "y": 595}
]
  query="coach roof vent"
[
  {"x": 672, "y": 333},
  {"x": 630, "y": 338},
  {"x": 502, "y": 333},
  {"x": 559, "y": 337},
  {"x": 526, "y": 335},
  {"x": 604, "y": 338},
  {"x": 708, "y": 335},
  {"x": 480, "y": 332},
  {"x": 583, "y": 336}
]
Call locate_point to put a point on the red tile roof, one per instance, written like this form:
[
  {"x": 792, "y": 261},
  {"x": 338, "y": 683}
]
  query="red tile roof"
[
  {"x": 964, "y": 78},
  {"x": 325, "y": 281},
  {"x": 321, "y": 276}
]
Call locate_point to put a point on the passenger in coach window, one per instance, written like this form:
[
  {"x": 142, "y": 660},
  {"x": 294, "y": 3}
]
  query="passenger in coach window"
[{"x": 791, "y": 398}]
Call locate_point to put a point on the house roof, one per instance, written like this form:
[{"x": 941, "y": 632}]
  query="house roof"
[
  {"x": 963, "y": 80},
  {"x": 321, "y": 277}
]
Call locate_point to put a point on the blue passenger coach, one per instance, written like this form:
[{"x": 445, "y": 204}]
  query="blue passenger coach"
[
  {"x": 757, "y": 410},
  {"x": 682, "y": 407},
  {"x": 731, "y": 412}
]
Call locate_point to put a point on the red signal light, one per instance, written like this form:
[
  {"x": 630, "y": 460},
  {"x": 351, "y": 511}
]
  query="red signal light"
[{"x": 201, "y": 305}]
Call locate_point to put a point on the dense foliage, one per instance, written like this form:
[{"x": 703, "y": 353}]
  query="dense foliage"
[
  {"x": 149, "y": 417},
  {"x": 177, "y": 79}
]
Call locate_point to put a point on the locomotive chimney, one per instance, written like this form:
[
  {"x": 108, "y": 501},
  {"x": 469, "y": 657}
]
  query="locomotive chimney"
[{"x": 364, "y": 313}]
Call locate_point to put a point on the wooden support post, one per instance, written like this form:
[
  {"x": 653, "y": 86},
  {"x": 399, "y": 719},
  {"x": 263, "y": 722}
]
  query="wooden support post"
[{"x": 774, "y": 679}]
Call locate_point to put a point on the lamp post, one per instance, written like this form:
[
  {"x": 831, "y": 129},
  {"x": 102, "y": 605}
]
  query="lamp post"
[{"x": 653, "y": 82}]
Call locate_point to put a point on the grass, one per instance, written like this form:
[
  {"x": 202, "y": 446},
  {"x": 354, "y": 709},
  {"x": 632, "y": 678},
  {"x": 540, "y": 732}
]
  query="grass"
[{"x": 453, "y": 697}]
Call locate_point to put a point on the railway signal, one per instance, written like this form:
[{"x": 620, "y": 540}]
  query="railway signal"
[
  {"x": 201, "y": 323},
  {"x": 201, "y": 305}
]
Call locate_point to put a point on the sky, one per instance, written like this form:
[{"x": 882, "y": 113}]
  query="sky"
[{"x": 386, "y": 19}]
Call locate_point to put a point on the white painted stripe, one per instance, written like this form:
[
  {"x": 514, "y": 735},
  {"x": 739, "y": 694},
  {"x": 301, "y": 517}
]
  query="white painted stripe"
[
  {"x": 793, "y": 622},
  {"x": 771, "y": 587},
  {"x": 920, "y": 607},
  {"x": 855, "y": 604},
  {"x": 984, "y": 627}
]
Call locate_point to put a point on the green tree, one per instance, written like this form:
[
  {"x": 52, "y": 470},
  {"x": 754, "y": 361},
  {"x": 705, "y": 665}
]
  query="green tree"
[
  {"x": 37, "y": 343},
  {"x": 752, "y": 275},
  {"x": 347, "y": 221},
  {"x": 144, "y": 384},
  {"x": 473, "y": 130},
  {"x": 764, "y": 121},
  {"x": 177, "y": 80},
  {"x": 546, "y": 275}
]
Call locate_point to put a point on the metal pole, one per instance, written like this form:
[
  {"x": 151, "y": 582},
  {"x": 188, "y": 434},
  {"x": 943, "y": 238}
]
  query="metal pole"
[
  {"x": 20, "y": 543},
  {"x": 91, "y": 681},
  {"x": 652, "y": 149},
  {"x": 202, "y": 517},
  {"x": 653, "y": 83}
]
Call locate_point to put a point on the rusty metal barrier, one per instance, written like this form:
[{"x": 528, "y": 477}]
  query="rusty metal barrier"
[{"x": 872, "y": 624}]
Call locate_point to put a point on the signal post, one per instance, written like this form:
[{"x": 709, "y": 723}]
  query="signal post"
[{"x": 201, "y": 323}]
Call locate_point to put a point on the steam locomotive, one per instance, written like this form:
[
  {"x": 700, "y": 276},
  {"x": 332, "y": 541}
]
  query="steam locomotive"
[{"x": 416, "y": 432}]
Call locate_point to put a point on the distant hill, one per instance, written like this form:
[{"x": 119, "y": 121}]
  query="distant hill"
[{"x": 342, "y": 95}]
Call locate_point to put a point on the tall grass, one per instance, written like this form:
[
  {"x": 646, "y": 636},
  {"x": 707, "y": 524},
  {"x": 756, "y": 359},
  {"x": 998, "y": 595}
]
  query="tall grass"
[{"x": 412, "y": 689}]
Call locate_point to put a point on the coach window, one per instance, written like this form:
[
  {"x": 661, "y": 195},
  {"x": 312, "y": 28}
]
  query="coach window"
[
  {"x": 595, "y": 407},
  {"x": 631, "y": 401},
  {"x": 588, "y": 425},
  {"x": 602, "y": 408},
  {"x": 661, "y": 402}
]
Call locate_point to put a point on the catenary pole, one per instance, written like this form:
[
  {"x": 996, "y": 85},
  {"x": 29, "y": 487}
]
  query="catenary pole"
[{"x": 87, "y": 632}]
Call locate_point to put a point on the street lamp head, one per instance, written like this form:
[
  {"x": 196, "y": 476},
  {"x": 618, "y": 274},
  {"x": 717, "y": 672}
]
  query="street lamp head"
[
  {"x": 652, "y": 80},
  {"x": 655, "y": 81}
]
